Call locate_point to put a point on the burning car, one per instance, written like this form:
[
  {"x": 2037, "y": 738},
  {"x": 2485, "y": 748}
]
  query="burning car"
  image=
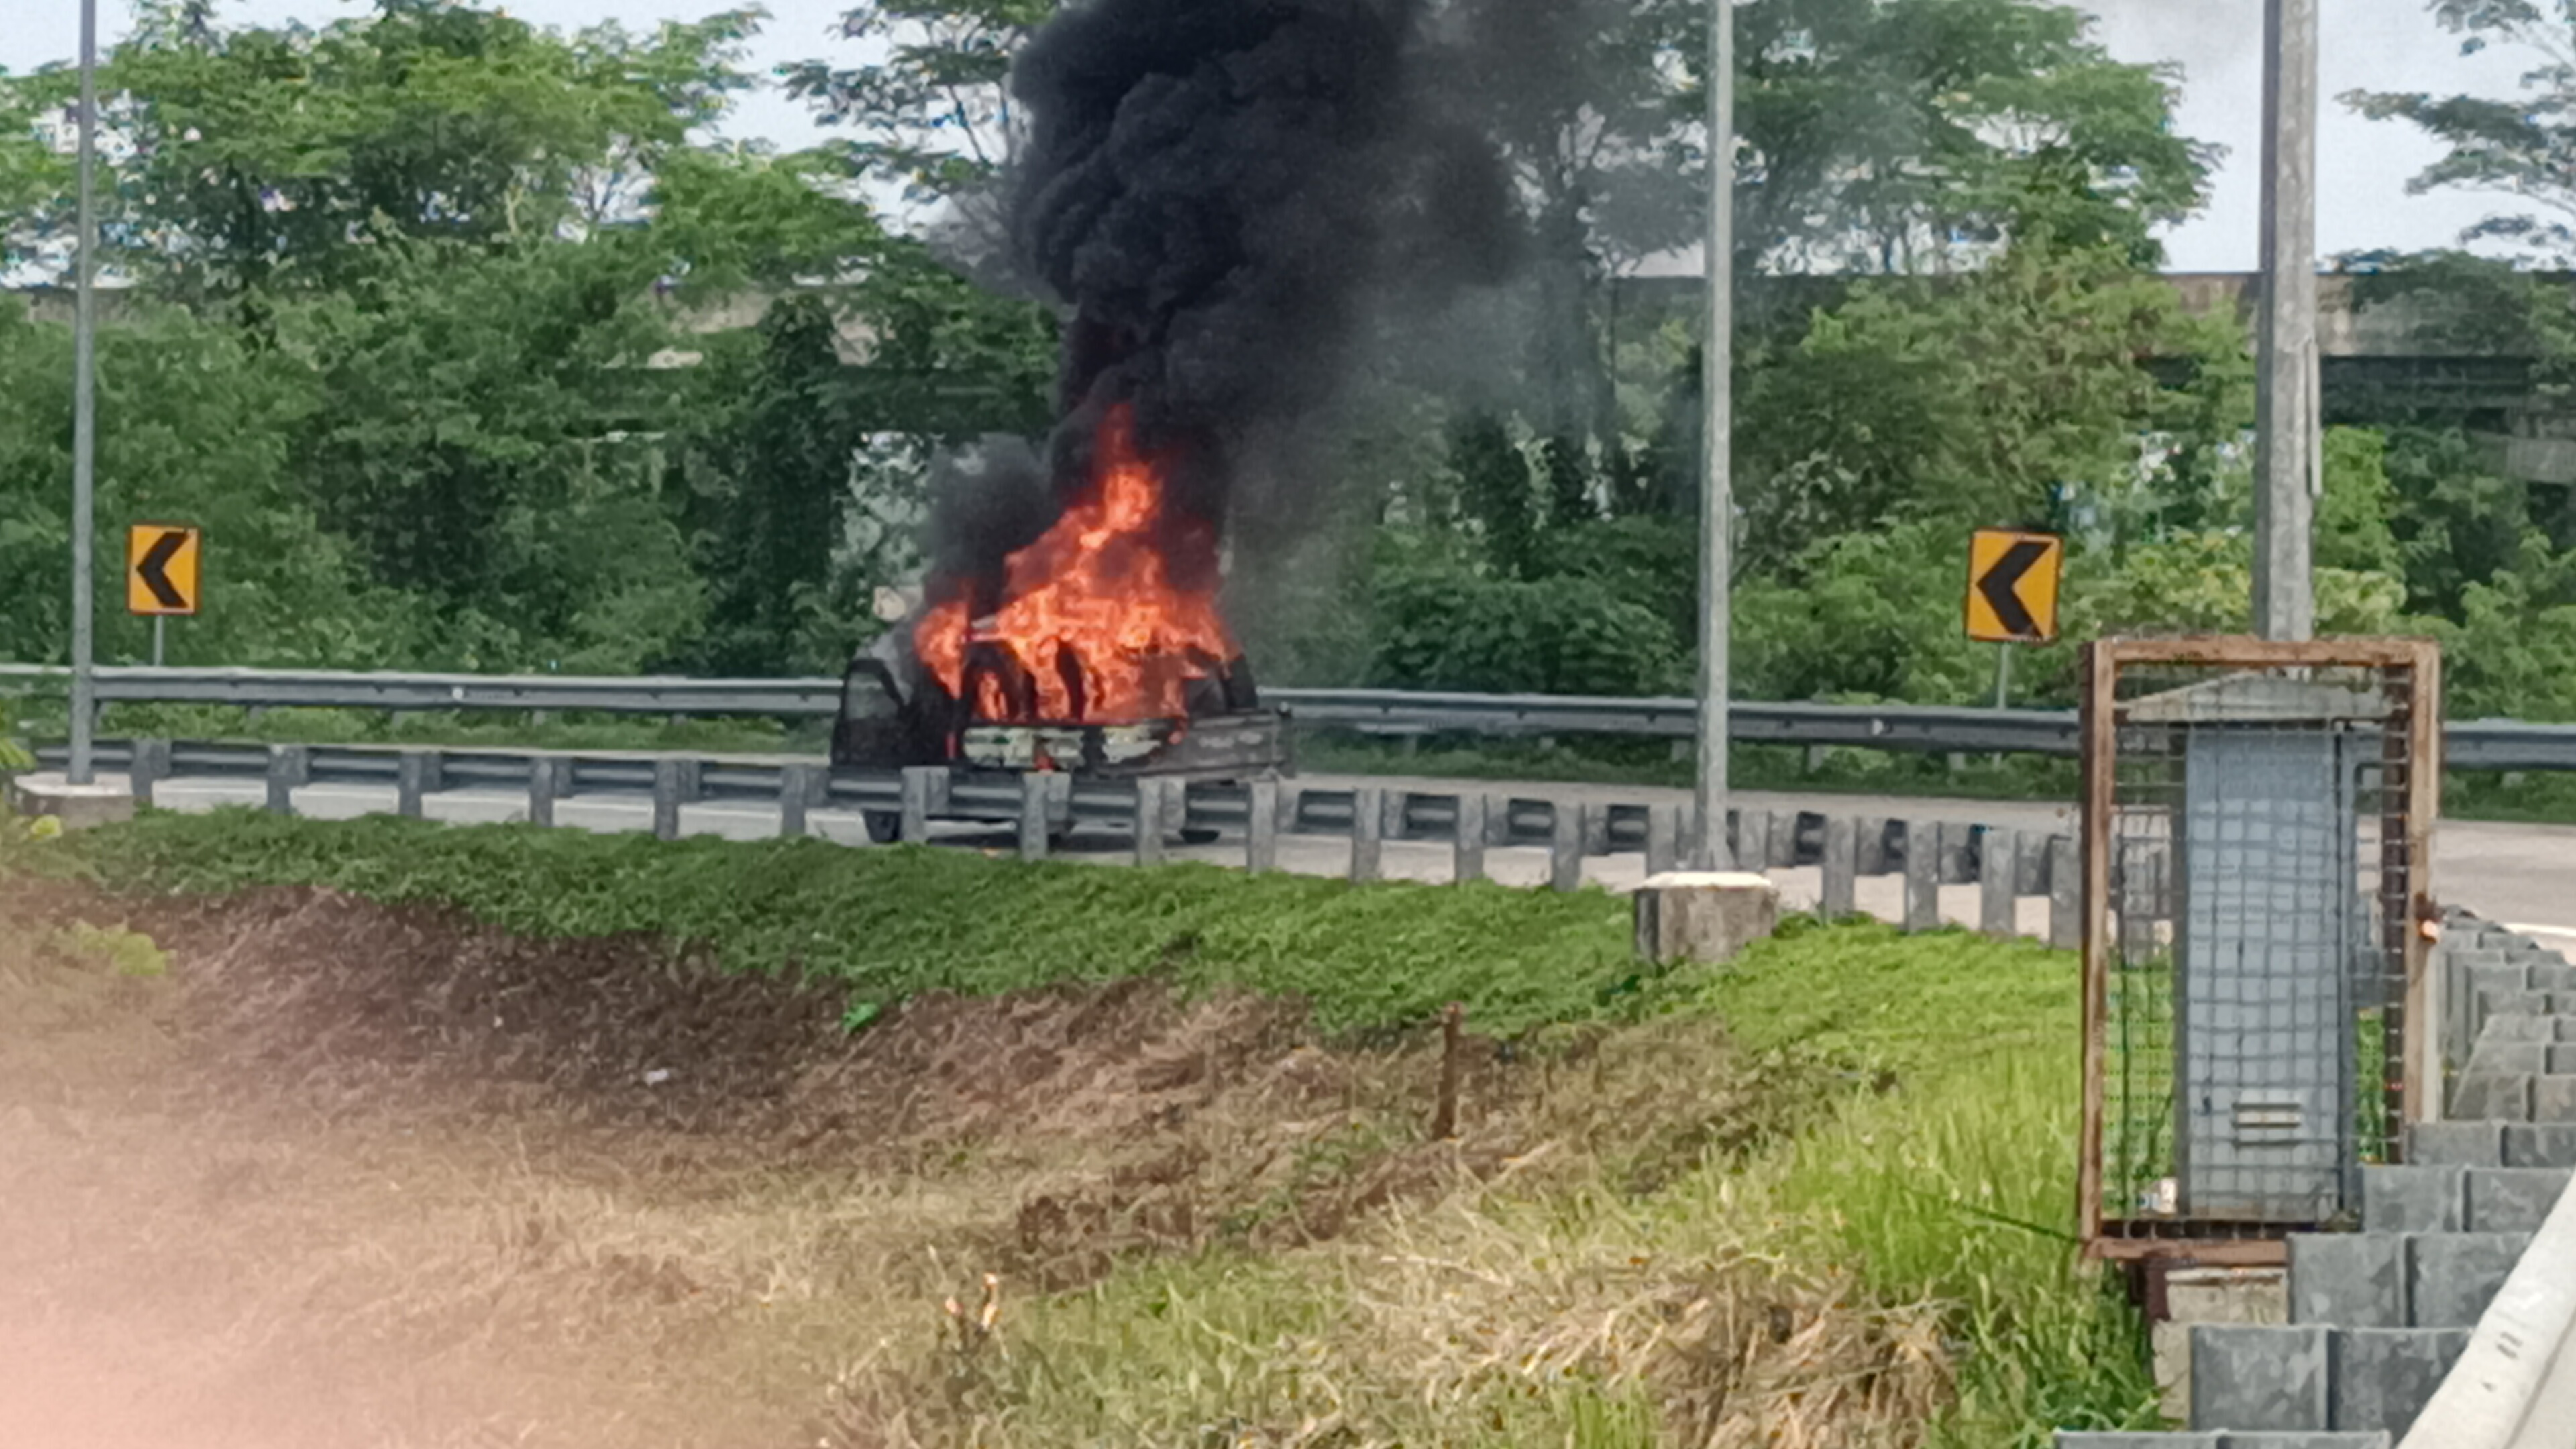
[{"x": 1102, "y": 654}]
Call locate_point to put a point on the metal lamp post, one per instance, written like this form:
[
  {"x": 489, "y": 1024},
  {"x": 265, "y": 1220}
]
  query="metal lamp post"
[
  {"x": 1709, "y": 851},
  {"x": 82, "y": 769}
]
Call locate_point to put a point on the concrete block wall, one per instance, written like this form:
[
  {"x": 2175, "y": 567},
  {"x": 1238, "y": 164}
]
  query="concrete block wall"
[{"x": 2378, "y": 1318}]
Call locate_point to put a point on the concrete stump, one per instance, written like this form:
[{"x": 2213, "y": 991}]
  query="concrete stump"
[
  {"x": 1703, "y": 916},
  {"x": 78, "y": 807}
]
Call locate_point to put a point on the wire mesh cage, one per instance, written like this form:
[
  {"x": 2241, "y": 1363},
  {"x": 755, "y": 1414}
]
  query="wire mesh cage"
[{"x": 2257, "y": 870}]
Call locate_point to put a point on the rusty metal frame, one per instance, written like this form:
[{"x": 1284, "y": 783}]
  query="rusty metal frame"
[{"x": 2417, "y": 1092}]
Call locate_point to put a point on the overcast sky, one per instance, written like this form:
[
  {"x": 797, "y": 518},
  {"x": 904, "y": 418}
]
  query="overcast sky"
[{"x": 2364, "y": 167}]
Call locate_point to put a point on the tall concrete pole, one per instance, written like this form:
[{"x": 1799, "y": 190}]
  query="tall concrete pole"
[
  {"x": 84, "y": 413},
  {"x": 1717, "y": 492},
  {"x": 2288, "y": 420}
]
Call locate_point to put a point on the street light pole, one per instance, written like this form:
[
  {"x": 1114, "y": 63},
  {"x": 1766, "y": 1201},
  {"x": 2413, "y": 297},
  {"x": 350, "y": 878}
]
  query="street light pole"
[
  {"x": 2288, "y": 419},
  {"x": 1709, "y": 849},
  {"x": 84, "y": 415}
]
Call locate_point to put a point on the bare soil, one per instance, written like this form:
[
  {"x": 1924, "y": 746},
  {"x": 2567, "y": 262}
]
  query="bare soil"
[{"x": 349, "y": 1175}]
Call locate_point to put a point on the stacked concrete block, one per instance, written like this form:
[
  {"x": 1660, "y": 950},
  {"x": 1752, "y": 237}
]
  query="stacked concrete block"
[{"x": 2379, "y": 1317}]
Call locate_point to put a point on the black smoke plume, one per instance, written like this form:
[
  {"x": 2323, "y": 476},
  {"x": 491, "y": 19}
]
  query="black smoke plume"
[{"x": 1219, "y": 195}]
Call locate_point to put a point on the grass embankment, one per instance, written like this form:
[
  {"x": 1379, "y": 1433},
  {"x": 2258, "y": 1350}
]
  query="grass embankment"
[{"x": 1880, "y": 1259}]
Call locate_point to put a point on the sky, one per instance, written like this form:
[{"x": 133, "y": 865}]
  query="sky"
[{"x": 2363, "y": 166}]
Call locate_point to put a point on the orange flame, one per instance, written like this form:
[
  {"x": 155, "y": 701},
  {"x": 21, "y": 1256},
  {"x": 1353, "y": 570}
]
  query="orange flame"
[{"x": 1099, "y": 632}]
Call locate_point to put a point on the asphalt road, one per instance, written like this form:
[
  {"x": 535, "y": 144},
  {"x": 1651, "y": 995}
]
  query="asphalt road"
[{"x": 2521, "y": 875}]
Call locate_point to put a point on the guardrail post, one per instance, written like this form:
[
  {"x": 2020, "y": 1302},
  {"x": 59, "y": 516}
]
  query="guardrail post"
[
  {"x": 1034, "y": 825},
  {"x": 1922, "y": 875},
  {"x": 1399, "y": 815},
  {"x": 288, "y": 767},
  {"x": 1872, "y": 860},
  {"x": 920, "y": 796},
  {"x": 668, "y": 791},
  {"x": 1565, "y": 847},
  {"x": 1751, "y": 842},
  {"x": 543, "y": 786},
  {"x": 1368, "y": 834},
  {"x": 1663, "y": 839},
  {"x": 417, "y": 775},
  {"x": 1841, "y": 894},
  {"x": 800, "y": 789},
  {"x": 1261, "y": 828},
  {"x": 2065, "y": 895},
  {"x": 1467, "y": 839},
  {"x": 1151, "y": 820},
  {"x": 151, "y": 766},
  {"x": 1999, "y": 883}
]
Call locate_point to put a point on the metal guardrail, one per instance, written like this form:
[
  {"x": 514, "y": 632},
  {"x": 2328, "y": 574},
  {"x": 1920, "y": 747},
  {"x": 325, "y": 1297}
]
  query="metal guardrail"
[
  {"x": 2468, "y": 745},
  {"x": 2008, "y": 865}
]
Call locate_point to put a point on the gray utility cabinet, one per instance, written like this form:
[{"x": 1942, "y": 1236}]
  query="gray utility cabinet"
[{"x": 2272, "y": 945}]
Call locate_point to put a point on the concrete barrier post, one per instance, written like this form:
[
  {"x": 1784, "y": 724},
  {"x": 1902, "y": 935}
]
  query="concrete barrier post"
[
  {"x": 542, "y": 789},
  {"x": 1565, "y": 848},
  {"x": 1034, "y": 822},
  {"x": 800, "y": 789},
  {"x": 1467, "y": 840},
  {"x": 1663, "y": 839},
  {"x": 1151, "y": 795},
  {"x": 2065, "y": 895},
  {"x": 1841, "y": 893},
  {"x": 418, "y": 774},
  {"x": 1922, "y": 875},
  {"x": 920, "y": 783},
  {"x": 1999, "y": 884},
  {"x": 667, "y": 793},
  {"x": 1751, "y": 844},
  {"x": 1368, "y": 834},
  {"x": 289, "y": 766},
  {"x": 1261, "y": 828},
  {"x": 151, "y": 766}
]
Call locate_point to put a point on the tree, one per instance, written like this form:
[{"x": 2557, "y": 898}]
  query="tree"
[
  {"x": 2517, "y": 149},
  {"x": 251, "y": 158},
  {"x": 2013, "y": 393},
  {"x": 1907, "y": 135},
  {"x": 935, "y": 112},
  {"x": 194, "y": 425}
]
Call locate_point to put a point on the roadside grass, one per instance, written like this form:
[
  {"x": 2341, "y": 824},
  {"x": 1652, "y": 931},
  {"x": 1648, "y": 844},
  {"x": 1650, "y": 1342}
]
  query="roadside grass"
[
  {"x": 894, "y": 922},
  {"x": 1869, "y": 1245}
]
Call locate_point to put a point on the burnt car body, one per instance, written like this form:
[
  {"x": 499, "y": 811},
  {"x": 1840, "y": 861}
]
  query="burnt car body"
[{"x": 894, "y": 715}]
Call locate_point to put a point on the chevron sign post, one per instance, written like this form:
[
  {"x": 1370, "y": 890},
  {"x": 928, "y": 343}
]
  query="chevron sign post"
[{"x": 2013, "y": 578}]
